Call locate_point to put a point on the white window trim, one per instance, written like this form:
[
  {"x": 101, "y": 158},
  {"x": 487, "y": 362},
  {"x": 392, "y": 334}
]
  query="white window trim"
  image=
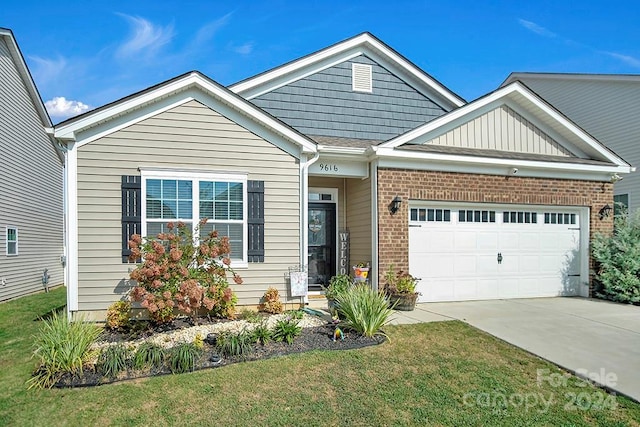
[
  {"x": 6, "y": 237},
  {"x": 195, "y": 177}
]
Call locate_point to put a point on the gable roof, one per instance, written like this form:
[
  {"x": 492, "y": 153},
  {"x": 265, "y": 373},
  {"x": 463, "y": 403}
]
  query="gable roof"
[
  {"x": 109, "y": 118},
  {"x": 362, "y": 44},
  {"x": 21, "y": 66},
  {"x": 514, "y": 94}
]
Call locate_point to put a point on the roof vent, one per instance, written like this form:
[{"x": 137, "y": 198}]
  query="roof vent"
[{"x": 361, "y": 78}]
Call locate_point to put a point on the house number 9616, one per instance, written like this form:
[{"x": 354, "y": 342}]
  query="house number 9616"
[{"x": 327, "y": 167}]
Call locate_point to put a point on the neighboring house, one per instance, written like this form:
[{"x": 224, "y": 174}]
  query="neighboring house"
[
  {"x": 31, "y": 182},
  {"x": 497, "y": 198},
  {"x": 607, "y": 106}
]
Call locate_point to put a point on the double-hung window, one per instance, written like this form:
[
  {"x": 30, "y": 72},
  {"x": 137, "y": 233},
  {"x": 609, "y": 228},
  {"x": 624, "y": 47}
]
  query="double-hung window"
[
  {"x": 12, "y": 241},
  {"x": 170, "y": 196}
]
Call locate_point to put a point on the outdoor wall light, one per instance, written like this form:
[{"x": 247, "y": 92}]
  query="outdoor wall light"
[
  {"x": 395, "y": 205},
  {"x": 605, "y": 211}
]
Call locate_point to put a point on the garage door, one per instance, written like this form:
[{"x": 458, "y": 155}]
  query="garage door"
[{"x": 479, "y": 252}]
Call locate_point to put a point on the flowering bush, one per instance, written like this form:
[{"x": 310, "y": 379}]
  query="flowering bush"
[{"x": 177, "y": 274}]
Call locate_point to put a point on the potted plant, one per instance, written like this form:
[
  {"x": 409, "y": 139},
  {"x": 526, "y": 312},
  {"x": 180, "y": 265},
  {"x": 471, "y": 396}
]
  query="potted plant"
[
  {"x": 360, "y": 272},
  {"x": 337, "y": 285},
  {"x": 400, "y": 288}
]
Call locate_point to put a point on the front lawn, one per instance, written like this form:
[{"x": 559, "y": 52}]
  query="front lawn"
[{"x": 429, "y": 374}]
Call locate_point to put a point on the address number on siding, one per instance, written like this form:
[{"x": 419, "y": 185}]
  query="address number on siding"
[{"x": 328, "y": 167}]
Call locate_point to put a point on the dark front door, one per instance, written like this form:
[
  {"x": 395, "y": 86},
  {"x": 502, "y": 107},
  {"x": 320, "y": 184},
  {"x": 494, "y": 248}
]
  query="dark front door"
[{"x": 322, "y": 244}]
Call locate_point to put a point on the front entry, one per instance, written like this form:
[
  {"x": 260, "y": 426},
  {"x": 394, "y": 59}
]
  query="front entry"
[{"x": 322, "y": 244}]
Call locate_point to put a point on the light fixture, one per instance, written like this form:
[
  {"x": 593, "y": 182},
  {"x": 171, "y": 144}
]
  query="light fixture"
[
  {"x": 395, "y": 205},
  {"x": 605, "y": 211}
]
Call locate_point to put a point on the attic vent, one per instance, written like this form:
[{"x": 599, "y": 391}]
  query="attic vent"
[{"x": 361, "y": 78}]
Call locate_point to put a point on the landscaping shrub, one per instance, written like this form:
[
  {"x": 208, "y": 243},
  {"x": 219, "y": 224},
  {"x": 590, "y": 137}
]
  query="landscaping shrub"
[
  {"x": 62, "y": 347},
  {"x": 271, "y": 301},
  {"x": 175, "y": 274},
  {"x": 261, "y": 334},
  {"x": 295, "y": 314},
  {"x": 617, "y": 259},
  {"x": 234, "y": 344},
  {"x": 148, "y": 355},
  {"x": 250, "y": 316},
  {"x": 363, "y": 310},
  {"x": 286, "y": 330},
  {"x": 119, "y": 315},
  {"x": 113, "y": 360},
  {"x": 337, "y": 285},
  {"x": 183, "y": 357}
]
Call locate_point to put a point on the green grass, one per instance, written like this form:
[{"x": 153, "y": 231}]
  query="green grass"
[{"x": 420, "y": 378}]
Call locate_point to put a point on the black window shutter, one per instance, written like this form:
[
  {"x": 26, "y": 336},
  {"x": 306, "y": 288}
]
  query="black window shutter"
[
  {"x": 131, "y": 211},
  {"x": 255, "y": 220}
]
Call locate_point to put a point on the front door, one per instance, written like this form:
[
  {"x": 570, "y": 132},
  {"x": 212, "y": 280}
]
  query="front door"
[{"x": 322, "y": 244}]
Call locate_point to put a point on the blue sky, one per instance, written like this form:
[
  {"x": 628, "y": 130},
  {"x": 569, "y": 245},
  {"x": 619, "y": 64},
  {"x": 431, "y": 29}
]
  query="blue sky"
[{"x": 94, "y": 52}]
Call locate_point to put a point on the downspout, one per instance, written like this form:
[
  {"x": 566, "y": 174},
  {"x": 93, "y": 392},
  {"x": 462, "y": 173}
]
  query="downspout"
[{"x": 304, "y": 210}]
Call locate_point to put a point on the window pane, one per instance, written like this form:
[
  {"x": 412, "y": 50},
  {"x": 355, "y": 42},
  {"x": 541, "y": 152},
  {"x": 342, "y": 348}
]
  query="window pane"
[
  {"x": 154, "y": 189},
  {"x": 438, "y": 214},
  {"x": 235, "y": 191},
  {"x": 169, "y": 209},
  {"x": 221, "y": 210},
  {"x": 222, "y": 191},
  {"x": 206, "y": 190},
  {"x": 169, "y": 189},
  {"x": 430, "y": 215},
  {"x": 476, "y": 216},
  {"x": 154, "y": 228},
  {"x": 185, "y": 209},
  {"x": 184, "y": 190},
  {"x": 206, "y": 209},
  {"x": 461, "y": 216},
  {"x": 534, "y": 217},
  {"x": 492, "y": 216},
  {"x": 447, "y": 215},
  {"x": 485, "y": 216},
  {"x": 422, "y": 215},
  {"x": 414, "y": 214},
  {"x": 235, "y": 210},
  {"x": 233, "y": 231},
  {"x": 12, "y": 248},
  {"x": 11, "y": 234}
]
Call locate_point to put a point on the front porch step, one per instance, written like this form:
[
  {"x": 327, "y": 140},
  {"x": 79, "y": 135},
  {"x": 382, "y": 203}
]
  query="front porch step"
[{"x": 317, "y": 301}]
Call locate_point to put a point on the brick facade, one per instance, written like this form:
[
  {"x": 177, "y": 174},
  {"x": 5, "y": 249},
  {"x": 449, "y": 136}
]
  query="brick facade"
[{"x": 393, "y": 230}]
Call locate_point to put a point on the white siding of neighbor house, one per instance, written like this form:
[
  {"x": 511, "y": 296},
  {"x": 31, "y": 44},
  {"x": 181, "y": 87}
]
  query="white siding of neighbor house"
[
  {"x": 31, "y": 189},
  {"x": 501, "y": 129},
  {"x": 605, "y": 106},
  {"x": 191, "y": 136}
]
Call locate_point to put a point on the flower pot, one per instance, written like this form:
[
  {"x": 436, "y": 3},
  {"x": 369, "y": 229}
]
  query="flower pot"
[
  {"x": 403, "y": 302},
  {"x": 360, "y": 274}
]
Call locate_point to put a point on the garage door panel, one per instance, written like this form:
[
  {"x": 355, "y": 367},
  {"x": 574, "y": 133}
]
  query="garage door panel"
[{"x": 459, "y": 260}]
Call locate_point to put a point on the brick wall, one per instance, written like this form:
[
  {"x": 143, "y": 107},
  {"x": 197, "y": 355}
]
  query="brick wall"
[{"x": 393, "y": 230}]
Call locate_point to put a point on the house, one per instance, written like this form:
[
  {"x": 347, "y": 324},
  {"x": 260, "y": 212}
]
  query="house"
[
  {"x": 348, "y": 154},
  {"x": 31, "y": 182},
  {"x": 607, "y": 107}
]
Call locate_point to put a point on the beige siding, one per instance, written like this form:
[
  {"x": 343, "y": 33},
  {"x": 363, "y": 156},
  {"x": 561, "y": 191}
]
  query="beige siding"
[
  {"x": 359, "y": 219},
  {"x": 30, "y": 189},
  {"x": 501, "y": 129},
  {"x": 194, "y": 137}
]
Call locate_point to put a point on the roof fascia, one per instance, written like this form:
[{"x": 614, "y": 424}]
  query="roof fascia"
[
  {"x": 362, "y": 44},
  {"x": 510, "y": 93},
  {"x": 168, "y": 96},
  {"x": 389, "y": 157},
  {"x": 607, "y": 78}
]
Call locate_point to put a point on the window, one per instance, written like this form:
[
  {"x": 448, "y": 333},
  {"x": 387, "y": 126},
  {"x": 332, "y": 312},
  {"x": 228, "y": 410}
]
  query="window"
[
  {"x": 12, "y": 241},
  {"x": 620, "y": 204},
  {"x": 519, "y": 217},
  {"x": 559, "y": 218},
  {"x": 476, "y": 216},
  {"x": 174, "y": 197},
  {"x": 430, "y": 215}
]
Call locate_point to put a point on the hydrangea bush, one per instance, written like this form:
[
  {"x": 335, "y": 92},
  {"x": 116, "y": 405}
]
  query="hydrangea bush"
[{"x": 178, "y": 274}]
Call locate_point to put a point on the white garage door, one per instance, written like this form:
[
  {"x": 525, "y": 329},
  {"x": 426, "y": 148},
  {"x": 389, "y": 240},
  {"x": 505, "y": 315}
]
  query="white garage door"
[{"x": 479, "y": 252}]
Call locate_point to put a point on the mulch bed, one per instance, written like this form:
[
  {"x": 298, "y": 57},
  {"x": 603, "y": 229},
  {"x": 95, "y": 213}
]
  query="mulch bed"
[{"x": 315, "y": 338}]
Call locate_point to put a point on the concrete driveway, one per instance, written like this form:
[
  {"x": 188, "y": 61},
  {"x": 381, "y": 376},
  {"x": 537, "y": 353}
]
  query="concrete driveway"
[{"x": 596, "y": 338}]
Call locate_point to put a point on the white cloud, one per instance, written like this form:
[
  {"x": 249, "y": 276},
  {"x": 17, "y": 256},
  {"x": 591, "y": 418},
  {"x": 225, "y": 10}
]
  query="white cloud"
[
  {"x": 535, "y": 28},
  {"x": 146, "y": 37},
  {"x": 206, "y": 32},
  {"x": 61, "y": 108},
  {"x": 627, "y": 59},
  {"x": 244, "y": 49}
]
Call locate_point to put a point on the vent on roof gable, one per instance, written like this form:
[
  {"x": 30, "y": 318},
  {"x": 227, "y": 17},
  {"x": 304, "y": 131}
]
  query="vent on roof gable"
[{"x": 361, "y": 78}]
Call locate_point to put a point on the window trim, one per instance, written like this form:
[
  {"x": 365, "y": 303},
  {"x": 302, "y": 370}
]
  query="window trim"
[
  {"x": 195, "y": 178},
  {"x": 7, "y": 241}
]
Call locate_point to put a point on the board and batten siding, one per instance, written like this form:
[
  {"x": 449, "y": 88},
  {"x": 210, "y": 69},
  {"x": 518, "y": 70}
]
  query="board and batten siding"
[
  {"x": 31, "y": 189},
  {"x": 190, "y": 136},
  {"x": 501, "y": 129},
  {"x": 607, "y": 107},
  {"x": 325, "y": 104}
]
